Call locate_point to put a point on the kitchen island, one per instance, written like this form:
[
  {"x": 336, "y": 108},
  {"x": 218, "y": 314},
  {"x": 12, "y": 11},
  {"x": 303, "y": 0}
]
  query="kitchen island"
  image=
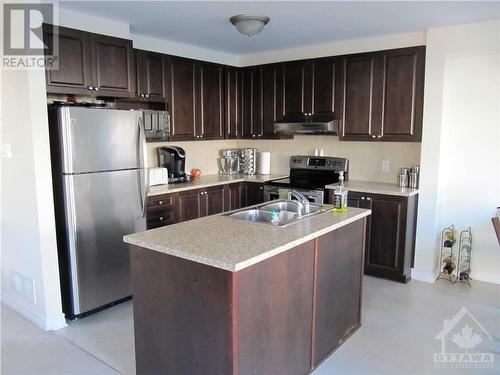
[{"x": 218, "y": 295}]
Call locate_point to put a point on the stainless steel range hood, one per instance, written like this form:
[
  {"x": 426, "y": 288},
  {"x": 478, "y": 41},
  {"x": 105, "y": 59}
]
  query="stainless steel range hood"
[{"x": 306, "y": 127}]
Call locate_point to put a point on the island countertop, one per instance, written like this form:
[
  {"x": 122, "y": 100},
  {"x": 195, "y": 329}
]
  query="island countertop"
[{"x": 231, "y": 244}]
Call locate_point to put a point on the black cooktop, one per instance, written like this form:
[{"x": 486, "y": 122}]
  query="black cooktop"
[{"x": 306, "y": 180}]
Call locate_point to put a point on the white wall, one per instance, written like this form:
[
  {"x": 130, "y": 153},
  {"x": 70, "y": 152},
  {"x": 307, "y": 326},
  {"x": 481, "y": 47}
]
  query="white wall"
[
  {"x": 460, "y": 182},
  {"x": 28, "y": 240}
]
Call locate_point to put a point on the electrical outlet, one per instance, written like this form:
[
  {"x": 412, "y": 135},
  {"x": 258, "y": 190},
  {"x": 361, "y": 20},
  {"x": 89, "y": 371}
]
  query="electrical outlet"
[
  {"x": 6, "y": 150},
  {"x": 385, "y": 166}
]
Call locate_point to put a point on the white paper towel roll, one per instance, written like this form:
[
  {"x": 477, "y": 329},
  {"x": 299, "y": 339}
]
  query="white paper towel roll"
[{"x": 264, "y": 163}]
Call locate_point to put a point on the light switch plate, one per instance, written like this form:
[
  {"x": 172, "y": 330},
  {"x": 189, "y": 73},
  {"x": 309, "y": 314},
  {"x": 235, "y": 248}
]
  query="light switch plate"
[{"x": 385, "y": 166}]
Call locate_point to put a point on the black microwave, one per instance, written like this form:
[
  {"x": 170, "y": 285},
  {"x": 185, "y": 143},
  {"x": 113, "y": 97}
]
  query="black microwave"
[{"x": 156, "y": 125}]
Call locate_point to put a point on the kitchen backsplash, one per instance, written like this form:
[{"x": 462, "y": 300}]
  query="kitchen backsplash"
[{"x": 365, "y": 157}]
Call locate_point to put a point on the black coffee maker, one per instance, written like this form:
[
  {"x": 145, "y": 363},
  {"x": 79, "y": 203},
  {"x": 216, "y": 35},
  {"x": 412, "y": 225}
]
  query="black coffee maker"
[{"x": 174, "y": 159}]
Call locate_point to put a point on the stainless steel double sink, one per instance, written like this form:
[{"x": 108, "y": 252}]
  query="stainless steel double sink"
[{"x": 279, "y": 213}]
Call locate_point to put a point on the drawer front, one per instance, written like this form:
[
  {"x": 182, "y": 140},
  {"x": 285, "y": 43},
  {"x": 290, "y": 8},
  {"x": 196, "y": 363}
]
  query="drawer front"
[
  {"x": 160, "y": 201},
  {"x": 160, "y": 218}
]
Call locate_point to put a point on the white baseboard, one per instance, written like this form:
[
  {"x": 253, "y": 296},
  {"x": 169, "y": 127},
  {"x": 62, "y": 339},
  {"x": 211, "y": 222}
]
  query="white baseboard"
[
  {"x": 426, "y": 276},
  {"x": 46, "y": 323},
  {"x": 486, "y": 277}
]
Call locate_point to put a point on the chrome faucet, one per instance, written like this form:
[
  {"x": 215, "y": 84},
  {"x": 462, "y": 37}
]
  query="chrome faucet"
[{"x": 302, "y": 201}]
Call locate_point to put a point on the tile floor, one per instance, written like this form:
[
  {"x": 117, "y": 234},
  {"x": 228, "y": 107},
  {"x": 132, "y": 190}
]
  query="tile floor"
[{"x": 400, "y": 323}]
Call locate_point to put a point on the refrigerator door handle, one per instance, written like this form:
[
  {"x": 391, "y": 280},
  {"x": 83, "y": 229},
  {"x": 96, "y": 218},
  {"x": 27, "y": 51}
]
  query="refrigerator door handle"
[{"x": 142, "y": 156}]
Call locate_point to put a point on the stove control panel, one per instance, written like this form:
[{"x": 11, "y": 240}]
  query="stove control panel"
[{"x": 319, "y": 163}]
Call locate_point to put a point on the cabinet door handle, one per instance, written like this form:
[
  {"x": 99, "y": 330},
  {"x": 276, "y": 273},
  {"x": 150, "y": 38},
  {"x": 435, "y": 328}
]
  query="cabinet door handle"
[
  {"x": 261, "y": 187},
  {"x": 368, "y": 199},
  {"x": 96, "y": 88},
  {"x": 362, "y": 198},
  {"x": 146, "y": 95},
  {"x": 90, "y": 87},
  {"x": 260, "y": 135},
  {"x": 162, "y": 218},
  {"x": 379, "y": 136},
  {"x": 160, "y": 202},
  {"x": 374, "y": 136}
]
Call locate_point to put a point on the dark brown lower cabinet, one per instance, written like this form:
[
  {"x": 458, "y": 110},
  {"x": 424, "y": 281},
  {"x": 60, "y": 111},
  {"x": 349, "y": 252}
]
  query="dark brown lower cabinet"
[
  {"x": 171, "y": 208},
  {"x": 283, "y": 315},
  {"x": 213, "y": 200},
  {"x": 234, "y": 196},
  {"x": 254, "y": 193},
  {"x": 390, "y": 233}
]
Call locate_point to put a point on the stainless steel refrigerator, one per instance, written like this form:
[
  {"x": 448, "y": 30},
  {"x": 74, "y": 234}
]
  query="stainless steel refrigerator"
[{"x": 100, "y": 190}]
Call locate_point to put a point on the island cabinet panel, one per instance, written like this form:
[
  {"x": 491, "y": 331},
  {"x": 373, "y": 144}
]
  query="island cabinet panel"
[
  {"x": 338, "y": 285},
  {"x": 181, "y": 315},
  {"x": 274, "y": 302},
  {"x": 253, "y": 193}
]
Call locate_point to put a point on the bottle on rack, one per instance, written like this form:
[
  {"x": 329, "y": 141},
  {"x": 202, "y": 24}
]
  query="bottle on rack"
[{"x": 340, "y": 195}]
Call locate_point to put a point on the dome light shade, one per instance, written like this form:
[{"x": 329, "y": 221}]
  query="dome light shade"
[{"x": 248, "y": 24}]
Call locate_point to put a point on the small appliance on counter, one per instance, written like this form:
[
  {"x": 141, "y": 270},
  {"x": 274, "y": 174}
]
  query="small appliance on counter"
[
  {"x": 309, "y": 175},
  {"x": 174, "y": 159},
  {"x": 229, "y": 161},
  {"x": 158, "y": 176}
]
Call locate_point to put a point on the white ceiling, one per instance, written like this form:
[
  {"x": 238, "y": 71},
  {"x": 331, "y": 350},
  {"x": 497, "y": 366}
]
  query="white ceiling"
[{"x": 293, "y": 24}]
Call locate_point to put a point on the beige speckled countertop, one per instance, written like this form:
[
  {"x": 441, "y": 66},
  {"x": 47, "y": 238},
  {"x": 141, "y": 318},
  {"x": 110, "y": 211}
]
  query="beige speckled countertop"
[
  {"x": 211, "y": 180},
  {"x": 376, "y": 188},
  {"x": 232, "y": 244}
]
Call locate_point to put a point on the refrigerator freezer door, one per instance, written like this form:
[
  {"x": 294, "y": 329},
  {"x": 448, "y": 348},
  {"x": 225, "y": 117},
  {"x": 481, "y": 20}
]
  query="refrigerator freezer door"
[
  {"x": 100, "y": 209},
  {"x": 96, "y": 139}
]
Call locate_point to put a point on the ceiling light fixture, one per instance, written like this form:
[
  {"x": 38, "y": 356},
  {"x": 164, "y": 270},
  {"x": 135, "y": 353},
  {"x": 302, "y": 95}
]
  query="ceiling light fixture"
[{"x": 248, "y": 24}]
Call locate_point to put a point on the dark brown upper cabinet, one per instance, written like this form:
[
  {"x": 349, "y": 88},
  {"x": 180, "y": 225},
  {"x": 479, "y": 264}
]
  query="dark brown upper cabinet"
[
  {"x": 111, "y": 65},
  {"x": 297, "y": 86},
  {"x": 383, "y": 95},
  {"x": 181, "y": 87},
  {"x": 361, "y": 97},
  {"x": 233, "y": 118},
  {"x": 150, "y": 73},
  {"x": 251, "y": 126},
  {"x": 403, "y": 94},
  {"x": 74, "y": 75},
  {"x": 196, "y": 94},
  {"x": 211, "y": 97},
  {"x": 90, "y": 64},
  {"x": 311, "y": 89},
  {"x": 271, "y": 97}
]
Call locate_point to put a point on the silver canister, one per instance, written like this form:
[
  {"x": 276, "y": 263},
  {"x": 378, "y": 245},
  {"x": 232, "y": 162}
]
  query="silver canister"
[
  {"x": 403, "y": 177},
  {"x": 414, "y": 177},
  {"x": 248, "y": 161}
]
